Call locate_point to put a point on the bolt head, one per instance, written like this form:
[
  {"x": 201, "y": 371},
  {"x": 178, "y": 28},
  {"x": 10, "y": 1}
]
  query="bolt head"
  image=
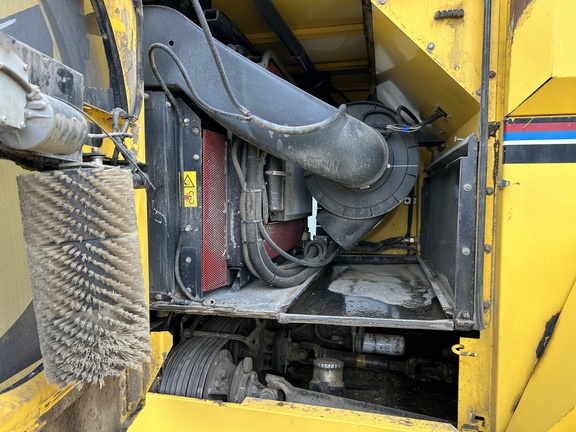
[
  {"x": 430, "y": 46},
  {"x": 186, "y": 121},
  {"x": 467, "y": 187},
  {"x": 26, "y": 67},
  {"x": 195, "y": 131},
  {"x": 465, "y": 251},
  {"x": 196, "y": 157},
  {"x": 188, "y": 260}
]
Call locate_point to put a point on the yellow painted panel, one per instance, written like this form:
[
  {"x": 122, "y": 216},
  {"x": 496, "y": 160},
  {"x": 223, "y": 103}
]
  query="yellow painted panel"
[
  {"x": 454, "y": 44},
  {"x": 164, "y": 412},
  {"x": 542, "y": 78},
  {"x": 22, "y": 407},
  {"x": 298, "y": 14},
  {"x": 530, "y": 53},
  {"x": 15, "y": 294},
  {"x": 567, "y": 423},
  {"x": 10, "y": 7},
  {"x": 555, "y": 98},
  {"x": 564, "y": 13},
  {"x": 407, "y": 74},
  {"x": 123, "y": 21},
  {"x": 475, "y": 381},
  {"x": 551, "y": 392},
  {"x": 535, "y": 268}
]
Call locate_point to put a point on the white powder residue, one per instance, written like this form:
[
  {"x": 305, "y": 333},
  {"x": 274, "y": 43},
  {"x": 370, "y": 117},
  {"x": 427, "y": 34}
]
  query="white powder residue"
[{"x": 380, "y": 284}]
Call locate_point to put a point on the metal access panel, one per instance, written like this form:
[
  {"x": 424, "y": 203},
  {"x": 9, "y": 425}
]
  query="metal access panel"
[
  {"x": 174, "y": 215},
  {"x": 448, "y": 231}
]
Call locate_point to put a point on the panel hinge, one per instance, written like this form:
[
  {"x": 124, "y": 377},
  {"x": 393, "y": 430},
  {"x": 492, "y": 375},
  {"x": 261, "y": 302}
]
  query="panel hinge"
[{"x": 503, "y": 183}]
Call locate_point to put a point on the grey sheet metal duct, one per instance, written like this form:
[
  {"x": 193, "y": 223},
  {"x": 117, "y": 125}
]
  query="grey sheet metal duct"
[
  {"x": 353, "y": 172},
  {"x": 348, "y": 151}
]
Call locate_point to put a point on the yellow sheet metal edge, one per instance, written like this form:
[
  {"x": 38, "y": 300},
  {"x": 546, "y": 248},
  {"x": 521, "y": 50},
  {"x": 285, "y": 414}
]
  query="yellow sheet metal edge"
[
  {"x": 453, "y": 43},
  {"x": 548, "y": 86},
  {"x": 551, "y": 391},
  {"x": 22, "y": 407},
  {"x": 138, "y": 383},
  {"x": 556, "y": 97},
  {"x": 165, "y": 412},
  {"x": 566, "y": 424},
  {"x": 406, "y": 74}
]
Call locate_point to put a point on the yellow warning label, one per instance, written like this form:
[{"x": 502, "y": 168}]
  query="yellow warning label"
[{"x": 190, "y": 190}]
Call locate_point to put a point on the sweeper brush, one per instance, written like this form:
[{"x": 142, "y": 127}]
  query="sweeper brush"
[{"x": 86, "y": 273}]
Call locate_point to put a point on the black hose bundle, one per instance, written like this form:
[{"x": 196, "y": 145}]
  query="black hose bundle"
[{"x": 317, "y": 253}]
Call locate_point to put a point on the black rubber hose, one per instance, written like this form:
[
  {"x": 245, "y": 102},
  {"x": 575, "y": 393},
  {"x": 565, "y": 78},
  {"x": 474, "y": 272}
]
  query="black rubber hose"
[
  {"x": 26, "y": 86},
  {"x": 265, "y": 268},
  {"x": 250, "y": 214}
]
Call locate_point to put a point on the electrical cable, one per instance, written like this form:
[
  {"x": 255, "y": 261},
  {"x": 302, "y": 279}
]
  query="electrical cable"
[
  {"x": 401, "y": 108},
  {"x": 121, "y": 147},
  {"x": 258, "y": 121},
  {"x": 178, "y": 275},
  {"x": 217, "y": 60},
  {"x": 32, "y": 91}
]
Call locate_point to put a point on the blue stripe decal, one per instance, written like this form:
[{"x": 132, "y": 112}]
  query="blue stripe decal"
[{"x": 544, "y": 135}]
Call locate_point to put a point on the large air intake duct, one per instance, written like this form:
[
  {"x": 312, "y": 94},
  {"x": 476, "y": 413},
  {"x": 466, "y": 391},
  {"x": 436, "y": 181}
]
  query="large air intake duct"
[{"x": 330, "y": 144}]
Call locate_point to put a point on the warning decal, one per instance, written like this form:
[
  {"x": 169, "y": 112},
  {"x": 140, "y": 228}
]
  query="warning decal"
[{"x": 190, "y": 190}]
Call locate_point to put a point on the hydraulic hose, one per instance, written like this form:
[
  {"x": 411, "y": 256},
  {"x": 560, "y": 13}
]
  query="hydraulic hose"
[{"x": 251, "y": 214}]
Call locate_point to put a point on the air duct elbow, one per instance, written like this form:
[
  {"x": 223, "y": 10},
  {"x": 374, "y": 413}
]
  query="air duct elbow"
[{"x": 343, "y": 149}]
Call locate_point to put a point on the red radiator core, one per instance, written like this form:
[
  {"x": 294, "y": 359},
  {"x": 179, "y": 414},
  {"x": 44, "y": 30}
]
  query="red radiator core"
[
  {"x": 287, "y": 235},
  {"x": 214, "y": 267}
]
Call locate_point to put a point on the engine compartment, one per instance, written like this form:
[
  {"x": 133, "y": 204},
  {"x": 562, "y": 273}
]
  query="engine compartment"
[{"x": 271, "y": 303}]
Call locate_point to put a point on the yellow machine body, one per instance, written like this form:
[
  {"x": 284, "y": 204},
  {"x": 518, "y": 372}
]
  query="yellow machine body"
[{"x": 518, "y": 373}]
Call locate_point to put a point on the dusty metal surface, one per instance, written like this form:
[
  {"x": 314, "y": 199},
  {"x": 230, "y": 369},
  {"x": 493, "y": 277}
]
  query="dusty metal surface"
[
  {"x": 256, "y": 300},
  {"x": 397, "y": 295},
  {"x": 393, "y": 295}
]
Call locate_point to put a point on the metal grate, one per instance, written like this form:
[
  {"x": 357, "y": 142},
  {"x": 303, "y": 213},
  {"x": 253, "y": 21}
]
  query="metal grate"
[{"x": 214, "y": 267}]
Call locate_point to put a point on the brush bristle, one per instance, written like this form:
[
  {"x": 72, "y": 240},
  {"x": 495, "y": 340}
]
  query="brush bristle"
[{"x": 86, "y": 273}]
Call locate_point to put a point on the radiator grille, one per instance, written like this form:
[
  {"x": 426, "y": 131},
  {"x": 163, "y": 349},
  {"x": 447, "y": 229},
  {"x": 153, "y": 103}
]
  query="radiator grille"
[{"x": 214, "y": 267}]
